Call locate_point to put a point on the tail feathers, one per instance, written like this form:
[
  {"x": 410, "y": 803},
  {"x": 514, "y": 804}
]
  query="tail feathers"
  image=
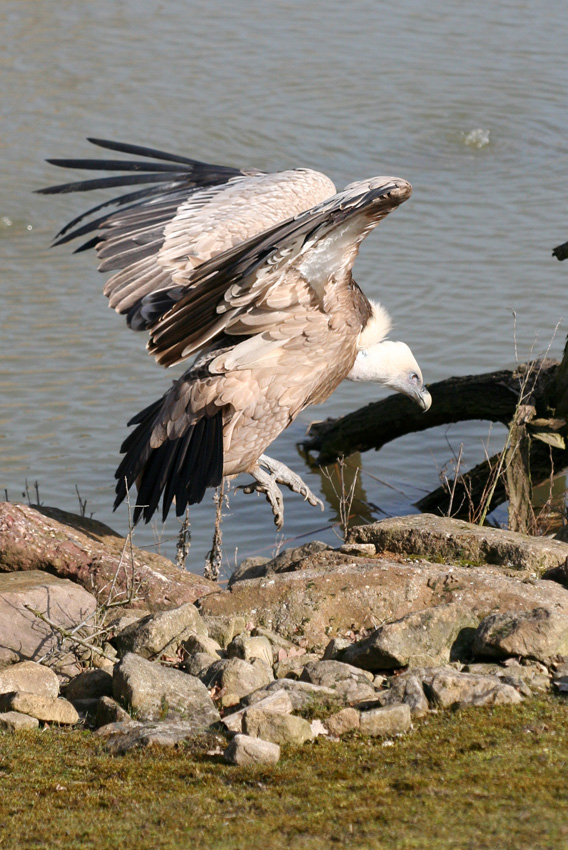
[{"x": 180, "y": 469}]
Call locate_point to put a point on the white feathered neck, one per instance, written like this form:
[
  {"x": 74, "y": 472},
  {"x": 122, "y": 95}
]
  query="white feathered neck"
[{"x": 377, "y": 327}]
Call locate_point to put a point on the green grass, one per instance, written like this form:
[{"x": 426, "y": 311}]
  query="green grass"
[{"x": 470, "y": 779}]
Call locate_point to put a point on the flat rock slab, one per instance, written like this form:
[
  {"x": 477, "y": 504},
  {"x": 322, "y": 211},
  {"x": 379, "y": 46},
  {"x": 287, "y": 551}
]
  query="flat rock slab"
[
  {"x": 455, "y": 540},
  {"x": 390, "y": 720},
  {"x": 43, "y": 708},
  {"x": 302, "y": 694},
  {"x": 245, "y": 750},
  {"x": 84, "y": 550},
  {"x": 31, "y": 677},
  {"x": 153, "y": 691},
  {"x": 277, "y": 728},
  {"x": 122, "y": 737},
  {"x": 13, "y": 721},
  {"x": 333, "y": 594},
  {"x": 22, "y": 634}
]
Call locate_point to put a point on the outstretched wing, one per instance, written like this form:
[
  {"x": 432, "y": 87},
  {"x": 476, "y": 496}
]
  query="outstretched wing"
[
  {"x": 297, "y": 267},
  {"x": 186, "y": 213}
]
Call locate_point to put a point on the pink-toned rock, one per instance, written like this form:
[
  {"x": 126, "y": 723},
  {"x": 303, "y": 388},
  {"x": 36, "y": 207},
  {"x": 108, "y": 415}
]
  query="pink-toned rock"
[
  {"x": 346, "y": 720},
  {"x": 87, "y": 551},
  {"x": 22, "y": 634}
]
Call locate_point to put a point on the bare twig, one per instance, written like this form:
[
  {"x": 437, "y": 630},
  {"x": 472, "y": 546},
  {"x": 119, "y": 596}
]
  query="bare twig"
[
  {"x": 183, "y": 541},
  {"x": 70, "y": 635},
  {"x": 214, "y": 557},
  {"x": 82, "y": 502},
  {"x": 344, "y": 497}
]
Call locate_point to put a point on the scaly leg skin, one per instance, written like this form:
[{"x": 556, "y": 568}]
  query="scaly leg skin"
[{"x": 266, "y": 482}]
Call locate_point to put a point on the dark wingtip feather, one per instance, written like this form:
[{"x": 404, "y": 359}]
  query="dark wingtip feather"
[{"x": 182, "y": 468}]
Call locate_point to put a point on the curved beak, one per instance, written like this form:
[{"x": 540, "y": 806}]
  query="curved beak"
[
  {"x": 423, "y": 398},
  {"x": 413, "y": 387}
]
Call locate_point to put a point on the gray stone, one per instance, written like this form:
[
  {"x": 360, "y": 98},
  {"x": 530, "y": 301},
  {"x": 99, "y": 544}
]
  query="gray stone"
[
  {"x": 277, "y": 642},
  {"x": 199, "y": 664},
  {"x": 278, "y": 728},
  {"x": 524, "y": 678},
  {"x": 449, "y": 688},
  {"x": 346, "y": 720},
  {"x": 365, "y": 550},
  {"x": 456, "y": 541},
  {"x": 203, "y": 644},
  {"x": 23, "y": 636},
  {"x": 390, "y": 720},
  {"x": 109, "y": 711},
  {"x": 244, "y": 750},
  {"x": 541, "y": 633},
  {"x": 252, "y": 567},
  {"x": 162, "y": 633},
  {"x": 236, "y": 678},
  {"x": 90, "y": 684},
  {"x": 335, "y": 648},
  {"x": 293, "y": 666},
  {"x": 247, "y": 648},
  {"x": 46, "y": 709},
  {"x": 318, "y": 728},
  {"x": 432, "y": 636},
  {"x": 224, "y": 628},
  {"x": 129, "y": 736},
  {"x": 302, "y": 694},
  {"x": 13, "y": 721},
  {"x": 30, "y": 677},
  {"x": 350, "y": 683},
  {"x": 286, "y": 561},
  {"x": 407, "y": 689},
  {"x": 154, "y": 692},
  {"x": 560, "y": 684},
  {"x": 279, "y": 701}
]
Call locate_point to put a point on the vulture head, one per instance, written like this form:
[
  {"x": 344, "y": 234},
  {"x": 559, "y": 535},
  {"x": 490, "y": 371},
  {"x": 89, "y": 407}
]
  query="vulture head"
[{"x": 391, "y": 364}]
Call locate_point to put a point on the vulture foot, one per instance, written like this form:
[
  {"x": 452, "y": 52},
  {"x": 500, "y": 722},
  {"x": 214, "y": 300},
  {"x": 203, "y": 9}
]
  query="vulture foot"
[{"x": 267, "y": 483}]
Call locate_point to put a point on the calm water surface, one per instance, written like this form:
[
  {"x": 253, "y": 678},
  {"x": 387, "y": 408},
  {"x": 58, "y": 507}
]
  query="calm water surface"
[{"x": 467, "y": 101}]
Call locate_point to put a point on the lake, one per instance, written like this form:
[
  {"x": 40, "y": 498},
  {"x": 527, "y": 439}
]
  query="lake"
[{"x": 466, "y": 101}]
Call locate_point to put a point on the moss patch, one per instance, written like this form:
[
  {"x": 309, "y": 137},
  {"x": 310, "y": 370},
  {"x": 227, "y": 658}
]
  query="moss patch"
[{"x": 477, "y": 778}]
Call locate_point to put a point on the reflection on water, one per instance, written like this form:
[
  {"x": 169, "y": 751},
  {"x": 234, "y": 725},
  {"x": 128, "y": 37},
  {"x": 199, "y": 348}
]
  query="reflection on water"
[{"x": 467, "y": 101}]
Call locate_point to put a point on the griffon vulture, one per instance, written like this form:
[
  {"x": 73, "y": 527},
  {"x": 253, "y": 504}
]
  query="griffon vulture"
[{"x": 250, "y": 273}]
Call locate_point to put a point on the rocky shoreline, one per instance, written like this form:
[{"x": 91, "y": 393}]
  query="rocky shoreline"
[{"x": 411, "y": 615}]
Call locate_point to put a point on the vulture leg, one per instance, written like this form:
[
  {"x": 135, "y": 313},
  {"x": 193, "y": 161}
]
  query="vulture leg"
[{"x": 267, "y": 483}]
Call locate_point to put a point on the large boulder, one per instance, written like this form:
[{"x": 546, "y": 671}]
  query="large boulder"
[
  {"x": 154, "y": 692},
  {"x": 541, "y": 634},
  {"x": 433, "y": 636},
  {"x": 332, "y": 594},
  {"x": 93, "y": 555},
  {"x": 30, "y": 677},
  {"x": 456, "y": 541},
  {"x": 23, "y": 635}
]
